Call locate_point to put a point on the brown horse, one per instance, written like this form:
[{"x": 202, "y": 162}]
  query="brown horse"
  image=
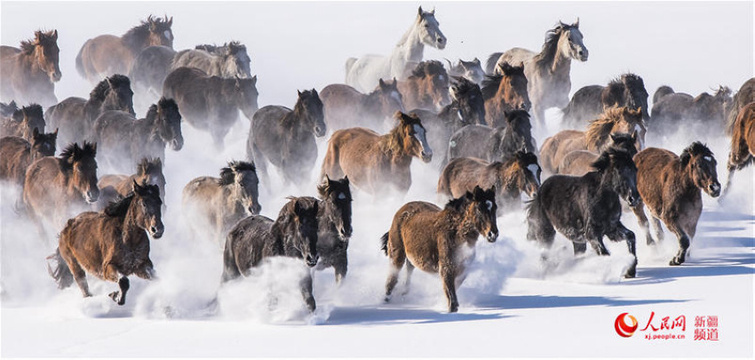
[
  {"x": 590, "y": 101},
  {"x": 111, "y": 244},
  {"x": 55, "y": 189},
  {"x": 23, "y": 121},
  {"x": 673, "y": 110},
  {"x": 377, "y": 163},
  {"x": 214, "y": 205},
  {"x": 595, "y": 139},
  {"x": 16, "y": 154},
  {"x": 503, "y": 93},
  {"x": 426, "y": 87},
  {"x": 29, "y": 74},
  {"x": 744, "y": 96},
  {"x": 742, "y": 143},
  {"x": 75, "y": 116},
  {"x": 345, "y": 107},
  {"x": 149, "y": 171},
  {"x": 578, "y": 163},
  {"x": 439, "y": 240},
  {"x": 670, "y": 187},
  {"x": 519, "y": 174},
  {"x": 106, "y": 55}
]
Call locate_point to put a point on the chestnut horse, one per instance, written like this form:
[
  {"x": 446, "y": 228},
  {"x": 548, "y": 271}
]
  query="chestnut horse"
[
  {"x": 23, "y": 122},
  {"x": 503, "y": 93},
  {"x": 111, "y": 244},
  {"x": 375, "y": 163},
  {"x": 29, "y": 74},
  {"x": 595, "y": 139},
  {"x": 742, "y": 143},
  {"x": 520, "y": 173},
  {"x": 670, "y": 187},
  {"x": 426, "y": 87},
  {"x": 439, "y": 240},
  {"x": 744, "y": 96},
  {"x": 106, "y": 55},
  {"x": 16, "y": 154},
  {"x": 345, "y": 107}
]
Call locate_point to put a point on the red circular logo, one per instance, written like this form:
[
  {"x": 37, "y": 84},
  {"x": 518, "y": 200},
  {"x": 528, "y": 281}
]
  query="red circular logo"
[{"x": 624, "y": 329}]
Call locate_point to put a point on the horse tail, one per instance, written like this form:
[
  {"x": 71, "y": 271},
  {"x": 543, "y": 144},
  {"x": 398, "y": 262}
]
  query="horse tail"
[
  {"x": 492, "y": 61},
  {"x": 80, "y": 63},
  {"x": 61, "y": 273},
  {"x": 230, "y": 269},
  {"x": 384, "y": 243}
]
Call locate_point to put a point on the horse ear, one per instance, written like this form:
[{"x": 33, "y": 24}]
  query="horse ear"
[
  {"x": 576, "y": 24},
  {"x": 476, "y": 61},
  {"x": 298, "y": 93},
  {"x": 634, "y": 136},
  {"x": 613, "y": 137},
  {"x": 419, "y": 12},
  {"x": 685, "y": 158},
  {"x": 346, "y": 179},
  {"x": 55, "y": 132},
  {"x": 170, "y": 22},
  {"x": 432, "y": 12},
  {"x": 478, "y": 192},
  {"x": 314, "y": 92},
  {"x": 254, "y": 80},
  {"x": 381, "y": 83},
  {"x": 55, "y": 35}
]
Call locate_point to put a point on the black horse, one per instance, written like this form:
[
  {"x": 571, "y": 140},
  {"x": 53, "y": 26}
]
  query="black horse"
[
  {"x": 586, "y": 208},
  {"x": 334, "y": 225},
  {"x": 494, "y": 144}
]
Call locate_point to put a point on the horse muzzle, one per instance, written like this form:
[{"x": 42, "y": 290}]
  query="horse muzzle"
[
  {"x": 427, "y": 156},
  {"x": 440, "y": 42},
  {"x": 177, "y": 144},
  {"x": 312, "y": 260},
  {"x": 157, "y": 231},
  {"x": 55, "y": 76},
  {"x": 345, "y": 233},
  {"x": 633, "y": 200},
  {"x": 714, "y": 189},
  {"x": 91, "y": 196},
  {"x": 492, "y": 236},
  {"x": 582, "y": 55},
  {"x": 320, "y": 131},
  {"x": 254, "y": 209}
]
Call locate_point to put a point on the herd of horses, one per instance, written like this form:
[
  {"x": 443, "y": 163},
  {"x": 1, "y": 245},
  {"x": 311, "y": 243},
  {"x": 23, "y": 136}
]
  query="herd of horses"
[{"x": 472, "y": 125}]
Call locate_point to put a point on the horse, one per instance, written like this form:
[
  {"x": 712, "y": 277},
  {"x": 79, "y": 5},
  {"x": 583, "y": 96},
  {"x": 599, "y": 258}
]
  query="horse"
[
  {"x": 111, "y": 244},
  {"x": 519, "y": 174},
  {"x": 742, "y": 143},
  {"x": 494, "y": 144},
  {"x": 674, "y": 109},
  {"x": 23, "y": 122},
  {"x": 595, "y": 138},
  {"x": 344, "y": 106},
  {"x": 579, "y": 162},
  {"x": 334, "y": 225},
  {"x": 29, "y": 74},
  {"x": 670, "y": 187},
  {"x": 106, "y": 55},
  {"x": 149, "y": 70},
  {"x": 292, "y": 234},
  {"x": 466, "y": 108},
  {"x": 211, "y": 103},
  {"x": 56, "y": 188},
  {"x": 471, "y": 70},
  {"x": 75, "y": 116},
  {"x": 374, "y": 163},
  {"x": 124, "y": 140},
  {"x": 586, "y": 208},
  {"x": 439, "y": 240},
  {"x": 228, "y": 61},
  {"x": 286, "y": 138},
  {"x": 548, "y": 71},
  {"x": 16, "y": 154},
  {"x": 149, "y": 171},
  {"x": 744, "y": 96},
  {"x": 426, "y": 87},
  {"x": 363, "y": 73},
  {"x": 504, "y": 92},
  {"x": 590, "y": 101},
  {"x": 215, "y": 205}
]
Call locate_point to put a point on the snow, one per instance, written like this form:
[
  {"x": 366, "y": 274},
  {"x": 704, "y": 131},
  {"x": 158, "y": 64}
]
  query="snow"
[{"x": 512, "y": 304}]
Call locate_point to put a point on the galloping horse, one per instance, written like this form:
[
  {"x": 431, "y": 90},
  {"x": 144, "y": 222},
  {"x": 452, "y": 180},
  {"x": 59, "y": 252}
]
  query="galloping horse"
[
  {"x": 363, "y": 73},
  {"x": 29, "y": 74}
]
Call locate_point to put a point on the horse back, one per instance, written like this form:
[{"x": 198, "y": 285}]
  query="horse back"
[
  {"x": 657, "y": 171},
  {"x": 570, "y": 202},
  {"x": 463, "y": 174},
  {"x": 415, "y": 228},
  {"x": 552, "y": 151},
  {"x": 577, "y": 163},
  {"x": 247, "y": 244},
  {"x": 202, "y": 190},
  {"x": 15, "y": 158},
  {"x": 356, "y": 152},
  {"x": 120, "y": 183},
  {"x": 470, "y": 141}
]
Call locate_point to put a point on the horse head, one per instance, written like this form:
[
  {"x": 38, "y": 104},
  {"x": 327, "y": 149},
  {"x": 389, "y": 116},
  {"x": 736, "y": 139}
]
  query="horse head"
[
  {"x": 246, "y": 90},
  {"x": 169, "y": 123},
  {"x": 147, "y": 209},
  {"x": 47, "y": 53},
  {"x": 150, "y": 172},
  {"x": 390, "y": 98},
  {"x": 481, "y": 209},
  {"x": 81, "y": 169},
  {"x": 513, "y": 87},
  {"x": 468, "y": 98},
  {"x": 117, "y": 95},
  {"x": 243, "y": 176},
  {"x": 43, "y": 144},
  {"x": 336, "y": 197},
  {"x": 619, "y": 172},
  {"x": 413, "y": 137},
  {"x": 570, "y": 42},
  {"x": 310, "y": 106},
  {"x": 701, "y": 165},
  {"x": 429, "y": 29},
  {"x": 160, "y": 32}
]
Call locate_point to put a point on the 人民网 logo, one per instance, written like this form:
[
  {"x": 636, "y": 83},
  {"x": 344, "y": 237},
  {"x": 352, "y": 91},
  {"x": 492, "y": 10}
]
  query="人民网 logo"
[{"x": 623, "y": 327}]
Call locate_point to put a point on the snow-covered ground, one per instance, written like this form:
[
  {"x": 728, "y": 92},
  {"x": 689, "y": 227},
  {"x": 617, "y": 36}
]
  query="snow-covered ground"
[{"x": 512, "y": 304}]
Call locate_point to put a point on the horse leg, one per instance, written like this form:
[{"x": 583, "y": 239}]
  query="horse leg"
[
  {"x": 622, "y": 233},
  {"x": 260, "y": 162},
  {"x": 639, "y": 212},
  {"x": 735, "y": 163},
  {"x": 409, "y": 271},
  {"x": 684, "y": 241},
  {"x": 78, "y": 272},
  {"x": 579, "y": 247},
  {"x": 306, "y": 292},
  {"x": 111, "y": 273},
  {"x": 595, "y": 237},
  {"x": 146, "y": 271},
  {"x": 398, "y": 258},
  {"x": 340, "y": 266},
  {"x": 539, "y": 227},
  {"x": 218, "y": 135},
  {"x": 658, "y": 229},
  {"x": 448, "y": 275}
]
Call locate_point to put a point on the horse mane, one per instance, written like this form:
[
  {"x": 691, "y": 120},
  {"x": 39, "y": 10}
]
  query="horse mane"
[
  {"x": 490, "y": 86},
  {"x": 463, "y": 84},
  {"x": 210, "y": 48},
  {"x": 234, "y": 47},
  {"x": 550, "y": 46},
  {"x": 34, "y": 110},
  {"x": 324, "y": 188},
  {"x": 133, "y": 39},
  {"x": 119, "y": 206},
  {"x": 428, "y": 68},
  {"x": 524, "y": 158},
  {"x": 604, "y": 160},
  {"x": 458, "y": 204},
  {"x": 149, "y": 165},
  {"x": 164, "y": 103},
  {"x": 393, "y": 143},
  {"x": 73, "y": 152},
  {"x": 103, "y": 87},
  {"x": 598, "y": 130},
  {"x": 696, "y": 149},
  {"x": 27, "y": 46},
  {"x": 228, "y": 174}
]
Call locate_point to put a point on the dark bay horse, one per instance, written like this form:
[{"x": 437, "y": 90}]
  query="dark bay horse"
[
  {"x": 214, "y": 205},
  {"x": 75, "y": 116},
  {"x": 149, "y": 70},
  {"x": 519, "y": 174},
  {"x": 742, "y": 143},
  {"x": 590, "y": 101},
  {"x": 211, "y": 103},
  {"x": 670, "y": 187},
  {"x": 586, "y": 208},
  {"x": 547, "y": 72},
  {"x": 149, "y": 171},
  {"x": 228, "y": 61},
  {"x": 124, "y": 140},
  {"x": 675, "y": 109},
  {"x": 345, "y": 107},
  {"x": 16, "y": 154},
  {"x": 106, "y": 55},
  {"x": 23, "y": 122},
  {"x": 439, "y": 240},
  {"x": 505, "y": 92},
  {"x": 426, "y": 87},
  {"x": 29, "y": 74},
  {"x": 111, "y": 244},
  {"x": 334, "y": 225},
  {"x": 374, "y": 163},
  {"x": 292, "y": 234},
  {"x": 471, "y": 70},
  {"x": 499, "y": 144},
  {"x": 286, "y": 138},
  {"x": 57, "y": 188},
  {"x": 744, "y": 96},
  {"x": 579, "y": 162},
  {"x": 596, "y": 138}
]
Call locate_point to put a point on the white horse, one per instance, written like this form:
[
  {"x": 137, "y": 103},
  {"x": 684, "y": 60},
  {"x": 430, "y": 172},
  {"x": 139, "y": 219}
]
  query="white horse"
[{"x": 363, "y": 73}]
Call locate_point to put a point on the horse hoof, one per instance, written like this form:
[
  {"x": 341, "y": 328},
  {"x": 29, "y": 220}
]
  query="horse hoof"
[
  {"x": 675, "y": 262},
  {"x": 453, "y": 309},
  {"x": 386, "y": 299},
  {"x": 630, "y": 275},
  {"x": 114, "y": 295}
]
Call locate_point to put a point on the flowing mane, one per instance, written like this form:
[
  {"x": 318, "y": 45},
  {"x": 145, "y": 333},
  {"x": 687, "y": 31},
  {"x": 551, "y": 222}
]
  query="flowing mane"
[
  {"x": 74, "y": 153},
  {"x": 393, "y": 143},
  {"x": 119, "y": 206},
  {"x": 428, "y": 68},
  {"x": 135, "y": 38},
  {"x": 550, "y": 46},
  {"x": 599, "y": 129},
  {"x": 228, "y": 174},
  {"x": 100, "y": 91}
]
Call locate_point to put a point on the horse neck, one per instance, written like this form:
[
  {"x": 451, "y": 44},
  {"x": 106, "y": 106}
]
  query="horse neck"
[
  {"x": 410, "y": 48},
  {"x": 505, "y": 179},
  {"x": 30, "y": 64},
  {"x": 398, "y": 156},
  {"x": 132, "y": 232},
  {"x": 466, "y": 231}
]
